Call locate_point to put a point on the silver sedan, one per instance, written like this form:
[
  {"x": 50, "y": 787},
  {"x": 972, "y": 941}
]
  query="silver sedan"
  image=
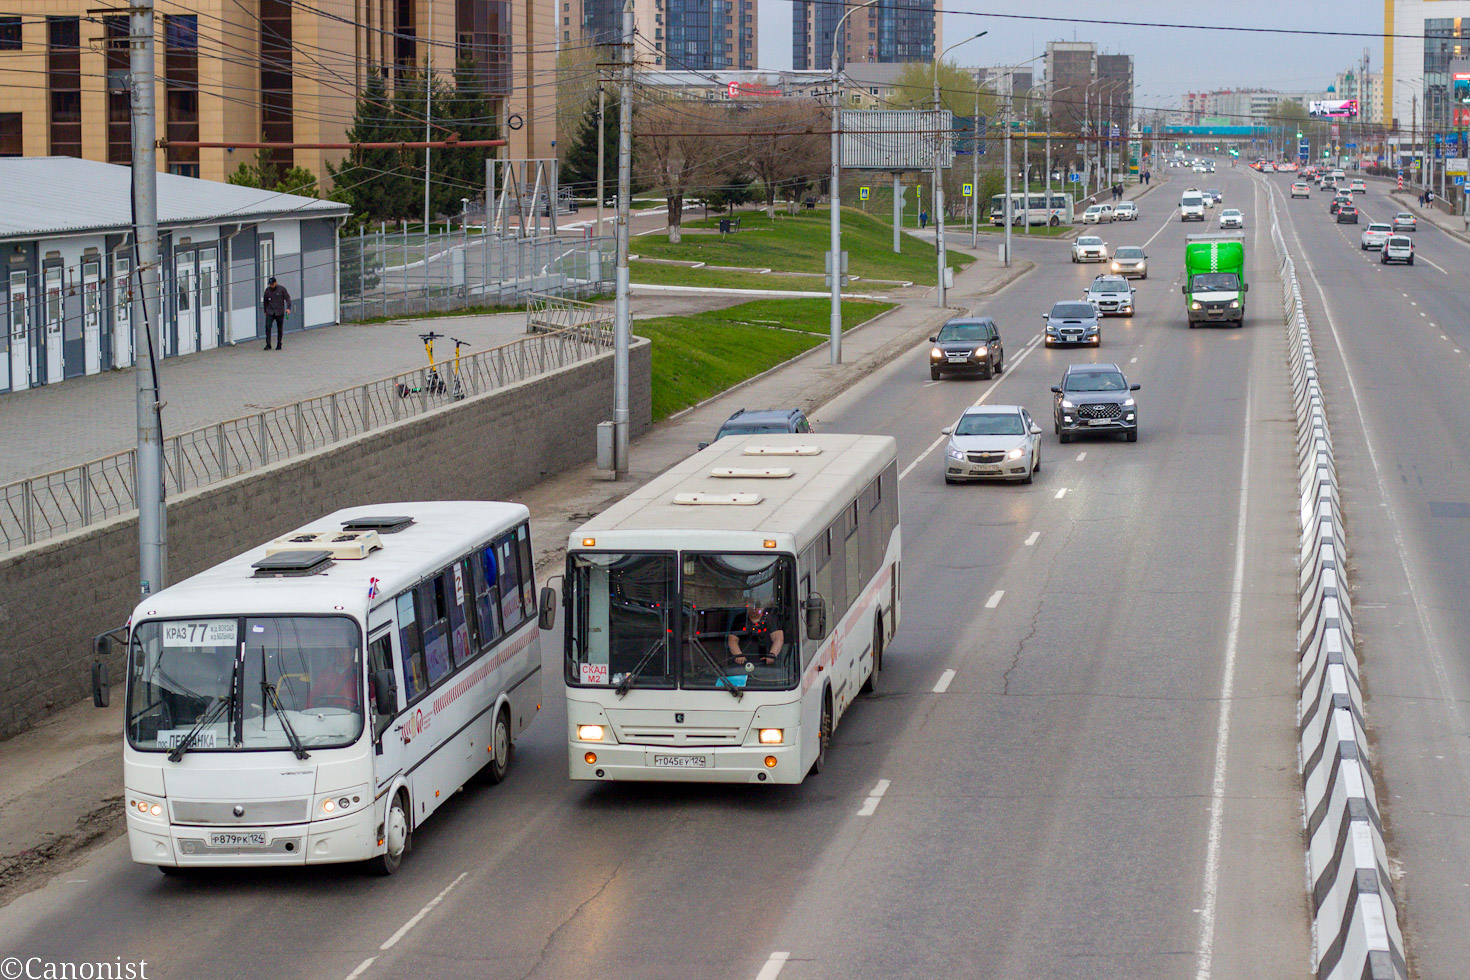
[
  {"x": 992, "y": 442},
  {"x": 1130, "y": 261}
]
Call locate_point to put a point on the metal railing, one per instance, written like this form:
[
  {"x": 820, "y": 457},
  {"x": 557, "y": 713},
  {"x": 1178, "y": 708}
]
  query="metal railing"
[
  {"x": 66, "y": 500},
  {"x": 546, "y": 313}
]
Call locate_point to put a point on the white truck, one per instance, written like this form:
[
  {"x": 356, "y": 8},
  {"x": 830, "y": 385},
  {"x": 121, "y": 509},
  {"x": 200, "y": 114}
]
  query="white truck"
[{"x": 1192, "y": 206}]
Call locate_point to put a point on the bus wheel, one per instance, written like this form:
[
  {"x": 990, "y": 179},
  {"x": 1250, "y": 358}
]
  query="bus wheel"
[
  {"x": 397, "y": 836},
  {"x": 500, "y": 765},
  {"x": 1054, "y": 221},
  {"x": 824, "y": 735},
  {"x": 870, "y": 685}
]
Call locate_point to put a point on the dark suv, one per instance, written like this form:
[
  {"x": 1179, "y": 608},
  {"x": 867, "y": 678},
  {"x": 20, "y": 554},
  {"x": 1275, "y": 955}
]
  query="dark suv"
[
  {"x": 967, "y": 344},
  {"x": 1094, "y": 398},
  {"x": 748, "y": 422}
]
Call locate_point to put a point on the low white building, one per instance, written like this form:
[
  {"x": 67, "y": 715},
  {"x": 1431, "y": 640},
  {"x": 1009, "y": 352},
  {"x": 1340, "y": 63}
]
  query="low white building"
[{"x": 66, "y": 238}]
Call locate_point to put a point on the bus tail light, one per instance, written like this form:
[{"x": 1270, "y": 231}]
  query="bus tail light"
[
  {"x": 771, "y": 736},
  {"x": 589, "y": 733}
]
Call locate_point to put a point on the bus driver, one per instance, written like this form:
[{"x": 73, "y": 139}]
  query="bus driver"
[{"x": 755, "y": 634}]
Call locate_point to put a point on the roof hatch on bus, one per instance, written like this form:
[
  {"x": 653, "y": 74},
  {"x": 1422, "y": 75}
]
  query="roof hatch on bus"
[
  {"x": 717, "y": 499},
  {"x": 390, "y": 524},
  {"x": 751, "y": 473},
  {"x": 350, "y": 545},
  {"x": 293, "y": 563},
  {"x": 798, "y": 450}
]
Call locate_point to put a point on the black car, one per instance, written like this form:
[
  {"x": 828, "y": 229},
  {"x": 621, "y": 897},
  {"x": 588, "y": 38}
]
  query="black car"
[
  {"x": 1338, "y": 202},
  {"x": 1094, "y": 398},
  {"x": 747, "y": 422},
  {"x": 1347, "y": 215},
  {"x": 967, "y": 345}
]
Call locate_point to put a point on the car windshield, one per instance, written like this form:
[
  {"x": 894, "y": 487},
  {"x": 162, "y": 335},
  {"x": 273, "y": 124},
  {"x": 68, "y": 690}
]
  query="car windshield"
[
  {"x": 735, "y": 615},
  {"x": 1072, "y": 311},
  {"x": 1214, "y": 282},
  {"x": 183, "y": 671},
  {"x": 1095, "y": 381},
  {"x": 1094, "y": 209},
  {"x": 990, "y": 424},
  {"x": 1128, "y": 253},
  {"x": 1089, "y": 240},
  {"x": 1110, "y": 286},
  {"x": 1230, "y": 213},
  {"x": 1379, "y": 229},
  {"x": 964, "y": 331}
]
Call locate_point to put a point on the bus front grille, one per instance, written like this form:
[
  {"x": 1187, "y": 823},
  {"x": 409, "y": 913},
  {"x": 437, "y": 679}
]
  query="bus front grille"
[{"x": 239, "y": 812}]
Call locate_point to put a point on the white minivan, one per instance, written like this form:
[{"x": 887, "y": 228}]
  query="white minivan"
[{"x": 1192, "y": 206}]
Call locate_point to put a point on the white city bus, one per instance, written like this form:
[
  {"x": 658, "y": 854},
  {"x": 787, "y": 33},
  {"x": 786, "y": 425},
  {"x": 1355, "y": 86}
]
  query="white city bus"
[
  {"x": 1033, "y": 210},
  {"x": 721, "y": 619},
  {"x": 317, "y": 698}
]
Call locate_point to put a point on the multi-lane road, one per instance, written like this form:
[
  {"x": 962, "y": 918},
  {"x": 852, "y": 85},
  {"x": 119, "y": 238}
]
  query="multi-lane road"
[{"x": 1081, "y": 761}]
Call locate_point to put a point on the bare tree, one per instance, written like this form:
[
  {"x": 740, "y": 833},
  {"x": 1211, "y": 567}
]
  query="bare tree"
[
  {"x": 680, "y": 144},
  {"x": 785, "y": 146}
]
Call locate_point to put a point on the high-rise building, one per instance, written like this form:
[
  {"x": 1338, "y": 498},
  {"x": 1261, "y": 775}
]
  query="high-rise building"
[
  {"x": 677, "y": 35},
  {"x": 1071, "y": 79},
  {"x": 269, "y": 71},
  {"x": 889, "y": 32},
  {"x": 1421, "y": 38}
]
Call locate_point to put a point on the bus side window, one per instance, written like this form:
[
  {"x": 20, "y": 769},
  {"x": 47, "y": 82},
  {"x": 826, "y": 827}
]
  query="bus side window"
[
  {"x": 459, "y": 632},
  {"x": 808, "y": 647},
  {"x": 487, "y": 597},
  {"x": 528, "y": 571},
  {"x": 380, "y": 658},
  {"x": 511, "y": 612},
  {"x": 411, "y": 649},
  {"x": 434, "y": 624},
  {"x": 853, "y": 553}
]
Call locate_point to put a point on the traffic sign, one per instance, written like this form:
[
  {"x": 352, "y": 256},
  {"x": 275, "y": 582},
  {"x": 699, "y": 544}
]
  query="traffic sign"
[
  {"x": 968, "y": 190},
  {"x": 1074, "y": 178},
  {"x": 1459, "y": 180},
  {"x": 862, "y": 193}
]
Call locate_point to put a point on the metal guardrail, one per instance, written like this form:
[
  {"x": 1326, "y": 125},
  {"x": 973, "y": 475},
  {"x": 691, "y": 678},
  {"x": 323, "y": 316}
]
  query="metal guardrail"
[
  {"x": 547, "y": 313},
  {"x": 44, "y": 506}
]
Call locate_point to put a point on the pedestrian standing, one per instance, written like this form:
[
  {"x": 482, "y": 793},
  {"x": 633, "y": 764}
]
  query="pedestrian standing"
[
  {"x": 276, "y": 303},
  {"x": 923, "y": 219}
]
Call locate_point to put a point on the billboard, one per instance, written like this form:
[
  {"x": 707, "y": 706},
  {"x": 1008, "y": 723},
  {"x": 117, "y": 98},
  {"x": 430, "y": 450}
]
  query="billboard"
[
  {"x": 896, "y": 139},
  {"x": 1462, "y": 87},
  {"x": 1329, "y": 110}
]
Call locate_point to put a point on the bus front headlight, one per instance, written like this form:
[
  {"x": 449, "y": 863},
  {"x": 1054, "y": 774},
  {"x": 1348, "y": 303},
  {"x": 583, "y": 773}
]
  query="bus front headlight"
[
  {"x": 771, "y": 736},
  {"x": 589, "y": 733}
]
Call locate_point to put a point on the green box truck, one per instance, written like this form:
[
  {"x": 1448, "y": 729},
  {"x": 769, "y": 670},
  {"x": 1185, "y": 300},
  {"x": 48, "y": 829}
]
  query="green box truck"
[{"x": 1214, "y": 279}]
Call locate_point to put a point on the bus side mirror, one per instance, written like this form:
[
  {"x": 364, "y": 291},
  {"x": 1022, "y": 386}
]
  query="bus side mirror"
[
  {"x": 101, "y": 688},
  {"x": 548, "y": 608},
  {"x": 816, "y": 617},
  {"x": 385, "y": 692}
]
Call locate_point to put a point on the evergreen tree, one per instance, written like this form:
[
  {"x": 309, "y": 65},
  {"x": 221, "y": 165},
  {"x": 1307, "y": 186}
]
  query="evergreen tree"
[
  {"x": 465, "y": 110},
  {"x": 579, "y": 161},
  {"x": 378, "y": 183}
]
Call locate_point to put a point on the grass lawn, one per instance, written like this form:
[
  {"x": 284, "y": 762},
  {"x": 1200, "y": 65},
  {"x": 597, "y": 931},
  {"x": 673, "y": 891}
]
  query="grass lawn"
[
  {"x": 798, "y": 243},
  {"x": 658, "y": 274},
  {"x": 703, "y": 354}
]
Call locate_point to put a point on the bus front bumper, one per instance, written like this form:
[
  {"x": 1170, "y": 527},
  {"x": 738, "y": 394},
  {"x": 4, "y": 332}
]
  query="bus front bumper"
[
  {"x": 686, "y": 764},
  {"x": 352, "y": 837}
]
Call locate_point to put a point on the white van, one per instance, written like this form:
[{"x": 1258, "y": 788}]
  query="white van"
[{"x": 1192, "y": 206}]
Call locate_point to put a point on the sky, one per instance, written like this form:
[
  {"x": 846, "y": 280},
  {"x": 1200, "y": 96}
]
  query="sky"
[{"x": 1167, "y": 62}]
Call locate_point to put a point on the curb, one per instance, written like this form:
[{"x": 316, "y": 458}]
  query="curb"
[{"x": 1355, "y": 918}]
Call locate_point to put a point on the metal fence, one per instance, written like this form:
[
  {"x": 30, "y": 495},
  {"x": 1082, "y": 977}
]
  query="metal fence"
[
  {"x": 390, "y": 274},
  {"x": 546, "y": 314},
  {"x": 40, "y": 507}
]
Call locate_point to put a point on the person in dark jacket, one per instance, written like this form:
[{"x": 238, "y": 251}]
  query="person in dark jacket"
[{"x": 277, "y": 306}]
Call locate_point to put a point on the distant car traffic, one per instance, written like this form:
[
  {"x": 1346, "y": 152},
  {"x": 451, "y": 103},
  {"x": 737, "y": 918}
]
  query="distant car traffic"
[
  {"x": 992, "y": 442},
  {"x": 1215, "y": 196},
  {"x": 1374, "y": 236},
  {"x": 1130, "y": 261},
  {"x": 1125, "y": 211},
  {"x": 1231, "y": 218},
  {"x": 1072, "y": 322},
  {"x": 1301, "y": 189},
  {"x": 1338, "y": 201},
  {"x": 1111, "y": 295},
  {"x": 1094, "y": 398},
  {"x": 1089, "y": 248},
  {"x": 1398, "y": 248},
  {"x": 967, "y": 345},
  {"x": 1347, "y": 214},
  {"x": 1404, "y": 221}
]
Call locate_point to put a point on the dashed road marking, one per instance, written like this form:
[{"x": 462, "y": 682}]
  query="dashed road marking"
[
  {"x": 361, "y": 968},
  {"x": 1031, "y": 538},
  {"x": 995, "y": 598},
  {"x": 1081, "y": 457},
  {"x": 772, "y": 968},
  {"x": 419, "y": 916},
  {"x": 1061, "y": 493},
  {"x": 870, "y": 805},
  {"x": 942, "y": 685}
]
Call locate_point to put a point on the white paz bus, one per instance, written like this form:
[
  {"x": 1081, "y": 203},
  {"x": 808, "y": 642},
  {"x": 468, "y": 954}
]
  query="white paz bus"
[
  {"x": 317, "y": 698},
  {"x": 722, "y": 618}
]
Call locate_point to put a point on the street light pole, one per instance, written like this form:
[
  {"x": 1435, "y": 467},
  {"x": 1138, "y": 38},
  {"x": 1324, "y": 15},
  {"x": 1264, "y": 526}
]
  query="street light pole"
[
  {"x": 428, "y": 116},
  {"x": 834, "y": 194},
  {"x": 938, "y": 195},
  {"x": 622, "y": 319}
]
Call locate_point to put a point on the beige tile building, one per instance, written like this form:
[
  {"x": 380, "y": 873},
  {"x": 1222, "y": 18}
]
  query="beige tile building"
[{"x": 259, "y": 71}]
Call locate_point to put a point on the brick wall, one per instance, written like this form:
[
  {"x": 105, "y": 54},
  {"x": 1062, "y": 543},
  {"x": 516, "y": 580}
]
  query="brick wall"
[{"x": 55, "y": 596}]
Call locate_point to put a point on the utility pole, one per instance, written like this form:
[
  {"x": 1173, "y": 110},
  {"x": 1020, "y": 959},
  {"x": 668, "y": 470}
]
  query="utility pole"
[
  {"x": 975, "y": 170},
  {"x": 601, "y": 143},
  {"x": 1006, "y": 132},
  {"x": 622, "y": 319},
  {"x": 1025, "y": 163},
  {"x": 835, "y": 191},
  {"x": 938, "y": 193},
  {"x": 428, "y": 116},
  {"x": 152, "y": 516}
]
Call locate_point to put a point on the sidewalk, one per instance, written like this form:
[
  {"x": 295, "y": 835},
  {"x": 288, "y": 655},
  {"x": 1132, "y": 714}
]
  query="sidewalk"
[{"x": 61, "y": 785}]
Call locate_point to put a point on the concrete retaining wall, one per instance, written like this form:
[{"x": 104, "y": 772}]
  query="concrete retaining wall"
[{"x": 57, "y": 595}]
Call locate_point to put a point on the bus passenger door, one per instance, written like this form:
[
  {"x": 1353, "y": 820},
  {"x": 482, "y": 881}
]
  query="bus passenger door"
[{"x": 388, "y": 744}]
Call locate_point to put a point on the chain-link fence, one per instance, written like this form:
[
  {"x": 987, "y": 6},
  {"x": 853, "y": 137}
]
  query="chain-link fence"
[{"x": 390, "y": 274}]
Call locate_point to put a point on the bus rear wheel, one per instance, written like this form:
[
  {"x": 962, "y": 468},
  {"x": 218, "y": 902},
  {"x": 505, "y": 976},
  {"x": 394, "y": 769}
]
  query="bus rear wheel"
[
  {"x": 824, "y": 735},
  {"x": 499, "y": 765},
  {"x": 870, "y": 685},
  {"x": 397, "y": 836}
]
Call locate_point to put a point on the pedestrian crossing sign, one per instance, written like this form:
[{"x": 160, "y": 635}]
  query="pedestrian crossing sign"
[
  {"x": 862, "y": 193},
  {"x": 968, "y": 190}
]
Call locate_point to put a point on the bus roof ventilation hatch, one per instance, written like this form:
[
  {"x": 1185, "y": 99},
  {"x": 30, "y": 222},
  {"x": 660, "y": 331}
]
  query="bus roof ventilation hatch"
[
  {"x": 794, "y": 450},
  {"x": 383, "y": 524},
  {"x": 285, "y": 564},
  {"x": 717, "y": 499},
  {"x": 348, "y": 545},
  {"x": 751, "y": 473}
]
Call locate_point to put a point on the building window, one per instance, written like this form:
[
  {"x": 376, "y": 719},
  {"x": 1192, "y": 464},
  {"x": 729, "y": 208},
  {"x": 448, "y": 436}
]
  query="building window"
[
  {"x": 10, "y": 141},
  {"x": 276, "y": 108},
  {"x": 119, "y": 112},
  {"x": 9, "y": 33},
  {"x": 64, "y": 82},
  {"x": 181, "y": 87}
]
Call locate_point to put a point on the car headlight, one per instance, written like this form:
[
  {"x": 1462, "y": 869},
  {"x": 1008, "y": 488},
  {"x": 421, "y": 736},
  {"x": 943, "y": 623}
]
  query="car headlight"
[
  {"x": 589, "y": 733},
  {"x": 1195, "y": 305},
  {"x": 1016, "y": 453},
  {"x": 955, "y": 453},
  {"x": 936, "y": 353},
  {"x": 980, "y": 351},
  {"x": 1128, "y": 403},
  {"x": 1115, "y": 267},
  {"x": 1067, "y": 404}
]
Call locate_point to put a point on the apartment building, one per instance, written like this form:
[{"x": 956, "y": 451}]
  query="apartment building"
[
  {"x": 888, "y": 32},
  {"x": 674, "y": 35}
]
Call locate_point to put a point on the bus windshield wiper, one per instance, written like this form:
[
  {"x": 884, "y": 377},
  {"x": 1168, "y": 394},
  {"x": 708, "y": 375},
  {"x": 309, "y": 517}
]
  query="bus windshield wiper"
[
  {"x": 208, "y": 718},
  {"x": 626, "y": 684},
  {"x": 269, "y": 698},
  {"x": 719, "y": 671}
]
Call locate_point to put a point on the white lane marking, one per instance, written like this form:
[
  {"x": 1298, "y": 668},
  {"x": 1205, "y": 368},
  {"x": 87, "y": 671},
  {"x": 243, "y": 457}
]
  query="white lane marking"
[
  {"x": 942, "y": 685},
  {"x": 1222, "y": 731},
  {"x": 1413, "y": 303},
  {"x": 870, "y": 805},
  {"x": 995, "y": 598},
  {"x": 1081, "y": 457},
  {"x": 1457, "y": 350},
  {"x": 361, "y": 968},
  {"x": 1406, "y": 295},
  {"x": 1031, "y": 538},
  {"x": 1422, "y": 313},
  {"x": 1061, "y": 493},
  {"x": 772, "y": 969},
  {"x": 419, "y": 916},
  {"x": 984, "y": 395},
  {"x": 930, "y": 384},
  {"x": 1433, "y": 263},
  {"x": 1132, "y": 360}
]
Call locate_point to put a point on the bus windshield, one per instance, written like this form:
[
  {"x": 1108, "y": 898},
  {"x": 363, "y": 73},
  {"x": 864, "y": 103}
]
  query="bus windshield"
[
  {"x": 185, "y": 671},
  {"x": 734, "y": 616}
]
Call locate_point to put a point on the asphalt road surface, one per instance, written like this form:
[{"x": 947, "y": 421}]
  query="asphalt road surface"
[{"x": 1082, "y": 749}]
